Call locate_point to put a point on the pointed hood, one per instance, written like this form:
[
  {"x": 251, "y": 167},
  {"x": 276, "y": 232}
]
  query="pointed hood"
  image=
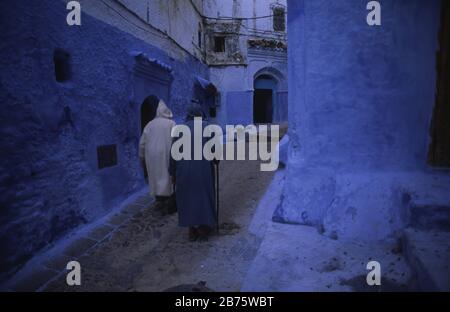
[
  {"x": 163, "y": 111},
  {"x": 194, "y": 110}
]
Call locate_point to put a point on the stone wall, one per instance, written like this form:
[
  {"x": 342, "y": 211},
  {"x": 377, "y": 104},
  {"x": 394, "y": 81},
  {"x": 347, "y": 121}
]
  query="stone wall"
[
  {"x": 360, "y": 103},
  {"x": 50, "y": 180}
]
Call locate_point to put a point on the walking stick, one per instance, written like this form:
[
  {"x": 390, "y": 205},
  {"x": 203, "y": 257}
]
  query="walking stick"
[{"x": 217, "y": 197}]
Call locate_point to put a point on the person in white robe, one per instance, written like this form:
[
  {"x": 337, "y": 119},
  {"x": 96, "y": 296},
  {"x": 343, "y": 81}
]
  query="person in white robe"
[{"x": 154, "y": 152}]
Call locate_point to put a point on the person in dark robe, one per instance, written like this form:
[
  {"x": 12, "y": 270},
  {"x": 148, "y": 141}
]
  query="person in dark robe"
[{"x": 194, "y": 185}]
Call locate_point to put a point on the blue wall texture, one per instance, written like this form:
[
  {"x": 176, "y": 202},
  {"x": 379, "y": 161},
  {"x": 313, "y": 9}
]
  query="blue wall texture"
[
  {"x": 239, "y": 108},
  {"x": 377, "y": 83},
  {"x": 360, "y": 105},
  {"x": 49, "y": 179}
]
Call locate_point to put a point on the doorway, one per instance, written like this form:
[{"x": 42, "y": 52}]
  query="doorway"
[
  {"x": 262, "y": 106},
  {"x": 148, "y": 113},
  {"x": 148, "y": 110},
  {"x": 264, "y": 98},
  {"x": 439, "y": 152}
]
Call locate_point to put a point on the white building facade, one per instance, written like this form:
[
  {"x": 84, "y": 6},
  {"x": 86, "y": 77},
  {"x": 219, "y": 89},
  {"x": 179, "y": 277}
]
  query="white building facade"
[{"x": 246, "y": 51}]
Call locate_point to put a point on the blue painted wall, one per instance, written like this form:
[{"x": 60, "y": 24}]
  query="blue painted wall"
[
  {"x": 376, "y": 83},
  {"x": 49, "y": 180},
  {"x": 282, "y": 107},
  {"x": 239, "y": 108},
  {"x": 360, "y": 104}
]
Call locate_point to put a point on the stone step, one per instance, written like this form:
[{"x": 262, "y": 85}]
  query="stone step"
[
  {"x": 425, "y": 216},
  {"x": 428, "y": 253}
]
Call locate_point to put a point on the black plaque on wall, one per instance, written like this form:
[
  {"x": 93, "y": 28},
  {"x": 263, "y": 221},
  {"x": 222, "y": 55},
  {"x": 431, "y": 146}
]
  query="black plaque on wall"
[{"x": 106, "y": 156}]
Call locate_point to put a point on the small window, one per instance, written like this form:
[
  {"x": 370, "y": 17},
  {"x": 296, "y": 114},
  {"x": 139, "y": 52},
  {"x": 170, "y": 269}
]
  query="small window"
[
  {"x": 106, "y": 156},
  {"x": 61, "y": 60},
  {"x": 219, "y": 44},
  {"x": 279, "y": 23},
  {"x": 212, "y": 112}
]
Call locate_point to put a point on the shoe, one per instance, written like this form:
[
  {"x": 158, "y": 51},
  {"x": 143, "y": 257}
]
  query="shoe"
[
  {"x": 193, "y": 234},
  {"x": 157, "y": 205},
  {"x": 204, "y": 232}
]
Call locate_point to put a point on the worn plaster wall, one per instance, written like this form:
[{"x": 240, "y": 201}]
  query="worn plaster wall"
[
  {"x": 50, "y": 182},
  {"x": 181, "y": 20},
  {"x": 360, "y": 103}
]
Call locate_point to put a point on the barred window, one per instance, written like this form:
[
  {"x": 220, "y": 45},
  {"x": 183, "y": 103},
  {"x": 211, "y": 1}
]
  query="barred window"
[
  {"x": 279, "y": 22},
  {"x": 219, "y": 44}
]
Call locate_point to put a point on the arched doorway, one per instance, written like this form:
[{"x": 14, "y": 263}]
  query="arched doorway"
[
  {"x": 148, "y": 113},
  {"x": 264, "y": 98},
  {"x": 148, "y": 110}
]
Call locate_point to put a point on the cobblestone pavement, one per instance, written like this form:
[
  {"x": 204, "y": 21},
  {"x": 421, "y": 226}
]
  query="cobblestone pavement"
[{"x": 143, "y": 249}]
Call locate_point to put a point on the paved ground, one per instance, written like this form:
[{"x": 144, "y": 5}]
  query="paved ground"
[
  {"x": 142, "y": 249},
  {"x": 298, "y": 258},
  {"x": 149, "y": 252}
]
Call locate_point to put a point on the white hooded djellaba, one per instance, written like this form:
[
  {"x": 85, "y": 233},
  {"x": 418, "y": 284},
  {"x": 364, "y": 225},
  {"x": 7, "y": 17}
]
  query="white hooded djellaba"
[{"x": 154, "y": 149}]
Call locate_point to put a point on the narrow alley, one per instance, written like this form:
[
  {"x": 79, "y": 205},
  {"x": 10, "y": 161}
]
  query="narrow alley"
[
  {"x": 149, "y": 252},
  {"x": 141, "y": 248},
  {"x": 113, "y": 110}
]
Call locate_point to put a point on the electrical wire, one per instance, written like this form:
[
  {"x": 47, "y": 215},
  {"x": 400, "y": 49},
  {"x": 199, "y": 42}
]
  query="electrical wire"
[
  {"x": 227, "y": 18},
  {"x": 248, "y": 35},
  {"x": 132, "y": 23},
  {"x": 265, "y": 31},
  {"x": 161, "y": 34},
  {"x": 264, "y": 34},
  {"x": 240, "y": 18}
]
